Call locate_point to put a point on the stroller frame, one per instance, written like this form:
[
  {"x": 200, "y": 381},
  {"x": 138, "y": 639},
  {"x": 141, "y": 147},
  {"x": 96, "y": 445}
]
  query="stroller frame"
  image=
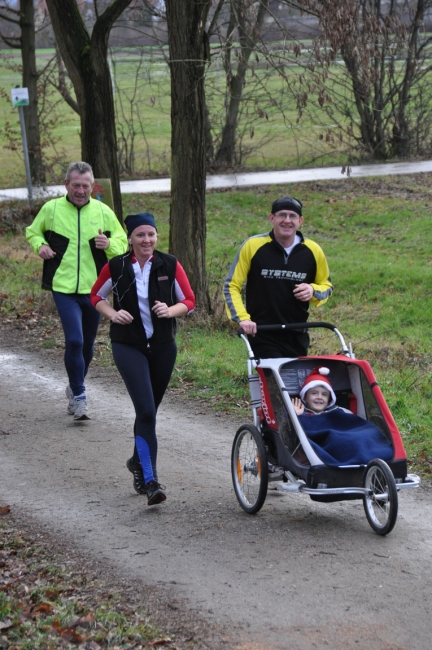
[{"x": 275, "y": 452}]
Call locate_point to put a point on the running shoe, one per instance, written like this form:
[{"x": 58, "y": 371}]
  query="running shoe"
[
  {"x": 80, "y": 409},
  {"x": 155, "y": 493},
  {"x": 138, "y": 479},
  {"x": 71, "y": 398}
]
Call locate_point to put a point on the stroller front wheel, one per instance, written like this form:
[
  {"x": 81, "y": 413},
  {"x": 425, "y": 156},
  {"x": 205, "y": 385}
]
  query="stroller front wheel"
[
  {"x": 249, "y": 468},
  {"x": 381, "y": 504}
]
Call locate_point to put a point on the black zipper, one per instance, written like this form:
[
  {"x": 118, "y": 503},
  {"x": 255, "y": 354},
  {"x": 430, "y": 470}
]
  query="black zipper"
[{"x": 79, "y": 249}]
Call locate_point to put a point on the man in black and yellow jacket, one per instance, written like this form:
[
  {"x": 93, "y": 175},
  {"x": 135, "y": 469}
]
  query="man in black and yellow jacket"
[
  {"x": 75, "y": 235},
  {"x": 283, "y": 272}
]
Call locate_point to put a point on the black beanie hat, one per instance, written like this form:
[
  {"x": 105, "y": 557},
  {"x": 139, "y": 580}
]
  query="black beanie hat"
[
  {"x": 132, "y": 221},
  {"x": 287, "y": 203}
]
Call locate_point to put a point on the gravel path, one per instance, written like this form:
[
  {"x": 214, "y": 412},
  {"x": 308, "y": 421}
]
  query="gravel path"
[{"x": 299, "y": 575}]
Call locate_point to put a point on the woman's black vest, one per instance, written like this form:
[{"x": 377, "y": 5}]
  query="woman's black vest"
[{"x": 161, "y": 287}]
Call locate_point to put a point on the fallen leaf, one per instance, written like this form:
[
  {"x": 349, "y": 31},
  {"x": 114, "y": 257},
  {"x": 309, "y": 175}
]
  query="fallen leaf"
[
  {"x": 84, "y": 621},
  {"x": 67, "y": 633},
  {"x": 43, "y": 608},
  {"x": 6, "y": 624},
  {"x": 4, "y": 510}
]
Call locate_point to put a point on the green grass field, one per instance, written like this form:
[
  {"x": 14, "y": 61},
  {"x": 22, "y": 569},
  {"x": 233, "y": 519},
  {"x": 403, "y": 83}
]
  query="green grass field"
[
  {"x": 270, "y": 135},
  {"x": 375, "y": 235}
]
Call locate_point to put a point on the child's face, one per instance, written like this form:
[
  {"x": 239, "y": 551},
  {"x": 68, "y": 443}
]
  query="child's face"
[{"x": 317, "y": 398}]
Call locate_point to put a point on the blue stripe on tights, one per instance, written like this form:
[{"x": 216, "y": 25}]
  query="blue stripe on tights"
[{"x": 145, "y": 460}]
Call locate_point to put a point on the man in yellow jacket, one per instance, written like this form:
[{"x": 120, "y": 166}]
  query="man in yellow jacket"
[
  {"x": 75, "y": 235},
  {"x": 284, "y": 272}
]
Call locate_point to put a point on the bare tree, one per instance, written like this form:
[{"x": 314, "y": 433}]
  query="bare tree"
[
  {"x": 189, "y": 53},
  {"x": 23, "y": 18},
  {"x": 246, "y": 20},
  {"x": 381, "y": 97},
  {"x": 86, "y": 60},
  {"x": 361, "y": 76},
  {"x": 130, "y": 121}
]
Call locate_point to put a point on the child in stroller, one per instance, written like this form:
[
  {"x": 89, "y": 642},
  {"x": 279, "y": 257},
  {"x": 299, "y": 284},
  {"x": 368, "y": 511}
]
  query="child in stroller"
[
  {"x": 338, "y": 436},
  {"x": 317, "y": 394}
]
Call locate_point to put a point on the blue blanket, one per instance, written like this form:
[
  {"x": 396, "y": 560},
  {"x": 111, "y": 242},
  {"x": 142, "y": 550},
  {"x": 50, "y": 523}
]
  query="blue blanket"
[{"x": 341, "y": 438}]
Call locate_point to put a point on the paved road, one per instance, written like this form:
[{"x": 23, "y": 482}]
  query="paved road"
[
  {"x": 245, "y": 180},
  {"x": 298, "y": 576}
]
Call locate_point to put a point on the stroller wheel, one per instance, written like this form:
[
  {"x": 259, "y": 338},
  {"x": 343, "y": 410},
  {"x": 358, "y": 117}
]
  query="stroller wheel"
[
  {"x": 381, "y": 504},
  {"x": 249, "y": 468}
]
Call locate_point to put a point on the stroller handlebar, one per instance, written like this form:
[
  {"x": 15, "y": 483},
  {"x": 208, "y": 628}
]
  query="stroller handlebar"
[
  {"x": 295, "y": 326},
  {"x": 302, "y": 327}
]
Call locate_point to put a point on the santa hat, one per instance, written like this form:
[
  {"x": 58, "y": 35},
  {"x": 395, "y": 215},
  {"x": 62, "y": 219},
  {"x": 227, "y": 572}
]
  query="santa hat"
[{"x": 318, "y": 377}]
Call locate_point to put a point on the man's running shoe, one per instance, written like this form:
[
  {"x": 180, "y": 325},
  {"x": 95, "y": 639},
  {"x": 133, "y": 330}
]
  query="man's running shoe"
[
  {"x": 138, "y": 479},
  {"x": 80, "y": 409},
  {"x": 71, "y": 398},
  {"x": 155, "y": 493}
]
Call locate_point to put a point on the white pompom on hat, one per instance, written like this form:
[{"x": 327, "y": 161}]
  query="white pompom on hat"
[{"x": 318, "y": 377}]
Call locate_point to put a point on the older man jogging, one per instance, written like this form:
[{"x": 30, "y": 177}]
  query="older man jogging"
[{"x": 75, "y": 235}]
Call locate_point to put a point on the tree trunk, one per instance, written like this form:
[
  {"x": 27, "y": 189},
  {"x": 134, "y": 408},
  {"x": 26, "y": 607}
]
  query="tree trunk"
[
  {"x": 401, "y": 130},
  {"x": 370, "y": 120},
  {"x": 226, "y": 151},
  {"x": 208, "y": 138},
  {"x": 29, "y": 80},
  {"x": 86, "y": 60},
  {"x": 249, "y": 33},
  {"x": 188, "y": 47}
]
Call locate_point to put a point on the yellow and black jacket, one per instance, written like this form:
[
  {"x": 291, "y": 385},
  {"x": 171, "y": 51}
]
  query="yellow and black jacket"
[{"x": 270, "y": 275}]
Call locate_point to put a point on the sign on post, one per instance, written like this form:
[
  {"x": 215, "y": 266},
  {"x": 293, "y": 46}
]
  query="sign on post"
[{"x": 20, "y": 98}]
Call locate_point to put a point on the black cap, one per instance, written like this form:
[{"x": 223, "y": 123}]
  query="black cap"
[
  {"x": 287, "y": 203},
  {"x": 132, "y": 221}
]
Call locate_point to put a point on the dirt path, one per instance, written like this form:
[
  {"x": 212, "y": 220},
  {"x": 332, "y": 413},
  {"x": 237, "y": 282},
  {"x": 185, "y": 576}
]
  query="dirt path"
[{"x": 299, "y": 575}]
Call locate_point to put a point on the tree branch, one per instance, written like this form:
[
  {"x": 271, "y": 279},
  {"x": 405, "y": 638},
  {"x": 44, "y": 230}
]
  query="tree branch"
[
  {"x": 215, "y": 18},
  {"x": 60, "y": 85},
  {"x": 13, "y": 41},
  {"x": 9, "y": 19},
  {"x": 105, "y": 21}
]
